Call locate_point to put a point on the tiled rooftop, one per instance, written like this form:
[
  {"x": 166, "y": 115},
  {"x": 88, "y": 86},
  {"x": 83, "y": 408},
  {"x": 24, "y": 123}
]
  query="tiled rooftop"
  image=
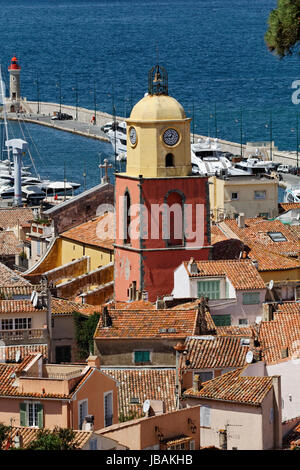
[
  {"x": 256, "y": 231},
  {"x": 8, "y": 388},
  {"x": 144, "y": 384},
  {"x": 67, "y": 307},
  {"x": 234, "y": 388},
  {"x": 9, "y": 244},
  {"x": 241, "y": 331},
  {"x": 29, "y": 434},
  {"x": 90, "y": 234},
  {"x": 282, "y": 333},
  {"x": 242, "y": 273},
  {"x": 24, "y": 350},
  {"x": 10, "y": 278},
  {"x": 151, "y": 324},
  {"x": 214, "y": 352},
  {"x": 216, "y": 234},
  {"x": 15, "y": 306},
  {"x": 286, "y": 206},
  {"x": 10, "y": 218}
]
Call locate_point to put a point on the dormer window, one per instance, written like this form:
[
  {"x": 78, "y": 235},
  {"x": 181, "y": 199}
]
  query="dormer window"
[
  {"x": 193, "y": 268},
  {"x": 277, "y": 237}
]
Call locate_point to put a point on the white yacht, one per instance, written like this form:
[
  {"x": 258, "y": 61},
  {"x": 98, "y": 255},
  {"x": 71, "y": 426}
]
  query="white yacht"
[
  {"x": 117, "y": 136},
  {"x": 292, "y": 194},
  {"x": 207, "y": 158},
  {"x": 251, "y": 166}
]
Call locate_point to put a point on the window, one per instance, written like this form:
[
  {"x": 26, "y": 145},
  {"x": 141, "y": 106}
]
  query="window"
[
  {"x": 16, "y": 324},
  {"x": 277, "y": 237},
  {"x": 38, "y": 248},
  {"x": 173, "y": 231},
  {"x": 62, "y": 354},
  {"x": 263, "y": 214},
  {"x": 205, "y": 376},
  {"x": 82, "y": 412},
  {"x": 7, "y": 324},
  {"x": 251, "y": 298},
  {"x": 93, "y": 444},
  {"x": 259, "y": 194},
  {"x": 243, "y": 321},
  {"x": 210, "y": 289},
  {"x": 205, "y": 416},
  {"x": 222, "y": 320},
  {"x": 108, "y": 409},
  {"x": 192, "y": 445},
  {"x": 126, "y": 235},
  {"x": 234, "y": 196},
  {"x": 169, "y": 159},
  {"x": 141, "y": 356},
  {"x": 31, "y": 414},
  {"x": 22, "y": 323}
]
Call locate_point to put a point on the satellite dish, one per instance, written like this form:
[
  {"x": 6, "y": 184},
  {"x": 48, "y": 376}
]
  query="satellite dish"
[
  {"x": 18, "y": 355},
  {"x": 271, "y": 284},
  {"x": 249, "y": 357},
  {"x": 146, "y": 406}
]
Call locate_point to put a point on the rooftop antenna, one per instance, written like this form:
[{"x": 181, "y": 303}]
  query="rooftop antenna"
[{"x": 2, "y": 101}]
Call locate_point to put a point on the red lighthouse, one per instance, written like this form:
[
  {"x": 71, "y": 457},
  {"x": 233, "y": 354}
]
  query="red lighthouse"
[
  {"x": 14, "y": 84},
  {"x": 162, "y": 210}
]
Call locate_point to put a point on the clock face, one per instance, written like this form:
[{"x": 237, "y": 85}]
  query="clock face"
[
  {"x": 132, "y": 136},
  {"x": 170, "y": 137}
]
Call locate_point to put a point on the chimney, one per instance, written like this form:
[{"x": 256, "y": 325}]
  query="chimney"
[
  {"x": 201, "y": 324},
  {"x": 106, "y": 318},
  {"x": 255, "y": 263},
  {"x": 94, "y": 361},
  {"x": 241, "y": 220},
  {"x": 197, "y": 384}
]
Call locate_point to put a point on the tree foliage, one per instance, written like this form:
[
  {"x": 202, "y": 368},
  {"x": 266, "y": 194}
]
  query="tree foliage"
[
  {"x": 283, "y": 34},
  {"x": 56, "y": 439},
  {"x": 84, "y": 333},
  {"x": 4, "y": 432}
]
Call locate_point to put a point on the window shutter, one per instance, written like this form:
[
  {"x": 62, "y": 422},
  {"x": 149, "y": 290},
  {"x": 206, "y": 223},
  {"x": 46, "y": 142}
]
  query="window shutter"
[
  {"x": 23, "y": 414},
  {"x": 40, "y": 415}
]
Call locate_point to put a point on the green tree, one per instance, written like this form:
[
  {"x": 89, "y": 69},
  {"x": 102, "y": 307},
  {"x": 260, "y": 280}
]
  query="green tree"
[
  {"x": 4, "y": 432},
  {"x": 84, "y": 332},
  {"x": 56, "y": 439},
  {"x": 283, "y": 34}
]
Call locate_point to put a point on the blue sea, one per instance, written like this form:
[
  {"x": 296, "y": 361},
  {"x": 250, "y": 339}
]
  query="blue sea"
[{"x": 218, "y": 65}]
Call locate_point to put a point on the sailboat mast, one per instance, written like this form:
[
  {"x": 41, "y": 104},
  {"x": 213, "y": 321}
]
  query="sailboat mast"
[{"x": 4, "y": 110}]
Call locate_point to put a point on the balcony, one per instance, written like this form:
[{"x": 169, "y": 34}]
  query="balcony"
[{"x": 34, "y": 335}]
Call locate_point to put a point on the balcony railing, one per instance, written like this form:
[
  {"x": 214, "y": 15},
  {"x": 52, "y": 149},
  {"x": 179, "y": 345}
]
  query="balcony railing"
[{"x": 27, "y": 336}]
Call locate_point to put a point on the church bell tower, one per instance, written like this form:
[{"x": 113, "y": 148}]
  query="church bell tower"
[{"x": 162, "y": 210}]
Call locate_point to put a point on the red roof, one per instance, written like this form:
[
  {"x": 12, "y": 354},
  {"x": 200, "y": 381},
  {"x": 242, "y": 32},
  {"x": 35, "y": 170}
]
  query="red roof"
[{"x": 234, "y": 388}]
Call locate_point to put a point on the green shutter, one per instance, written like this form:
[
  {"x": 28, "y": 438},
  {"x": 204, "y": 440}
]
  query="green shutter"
[
  {"x": 222, "y": 320},
  {"x": 40, "y": 416},
  {"x": 141, "y": 356},
  {"x": 251, "y": 298},
  {"x": 23, "y": 414},
  {"x": 210, "y": 289}
]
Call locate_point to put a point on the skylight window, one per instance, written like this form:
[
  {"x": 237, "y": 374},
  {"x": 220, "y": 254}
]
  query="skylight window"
[{"x": 277, "y": 237}]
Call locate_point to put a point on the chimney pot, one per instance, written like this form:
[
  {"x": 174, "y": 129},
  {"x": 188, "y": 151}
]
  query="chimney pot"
[{"x": 241, "y": 220}]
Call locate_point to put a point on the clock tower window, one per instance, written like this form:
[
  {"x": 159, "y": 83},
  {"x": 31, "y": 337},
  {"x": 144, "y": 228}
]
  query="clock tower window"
[
  {"x": 169, "y": 159},
  {"x": 127, "y": 203}
]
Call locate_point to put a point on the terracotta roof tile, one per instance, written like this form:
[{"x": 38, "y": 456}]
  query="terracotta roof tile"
[
  {"x": 30, "y": 434},
  {"x": 241, "y": 273},
  {"x": 16, "y": 306},
  {"x": 151, "y": 324},
  {"x": 87, "y": 232},
  {"x": 214, "y": 352},
  {"x": 216, "y": 234},
  {"x": 281, "y": 333},
  {"x": 24, "y": 350},
  {"x": 8, "y": 387},
  {"x": 9, "y": 244},
  {"x": 144, "y": 384},
  {"x": 235, "y": 388},
  {"x": 10, "y": 278},
  {"x": 67, "y": 307},
  {"x": 9, "y": 218},
  {"x": 286, "y": 206},
  {"x": 241, "y": 331},
  {"x": 256, "y": 231}
]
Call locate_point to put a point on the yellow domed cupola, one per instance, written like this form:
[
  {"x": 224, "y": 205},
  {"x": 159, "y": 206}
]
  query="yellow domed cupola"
[{"x": 158, "y": 133}]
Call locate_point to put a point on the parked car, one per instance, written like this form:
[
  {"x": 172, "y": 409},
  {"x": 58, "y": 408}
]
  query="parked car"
[
  {"x": 61, "y": 117},
  {"x": 283, "y": 169}
]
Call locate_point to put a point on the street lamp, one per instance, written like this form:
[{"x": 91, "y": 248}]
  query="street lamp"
[
  {"x": 95, "y": 104},
  {"x": 38, "y": 93},
  {"x": 180, "y": 350},
  {"x": 297, "y": 140},
  {"x": 270, "y": 126},
  {"x": 75, "y": 88},
  {"x": 59, "y": 86},
  {"x": 240, "y": 120}
]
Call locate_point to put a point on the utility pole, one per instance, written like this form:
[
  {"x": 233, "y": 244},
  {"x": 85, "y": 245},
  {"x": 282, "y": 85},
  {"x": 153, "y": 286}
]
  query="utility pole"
[
  {"x": 271, "y": 136},
  {"x": 241, "y": 131},
  {"x": 216, "y": 129},
  {"x": 95, "y": 104},
  {"x": 38, "y": 93},
  {"x": 76, "y": 98}
]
